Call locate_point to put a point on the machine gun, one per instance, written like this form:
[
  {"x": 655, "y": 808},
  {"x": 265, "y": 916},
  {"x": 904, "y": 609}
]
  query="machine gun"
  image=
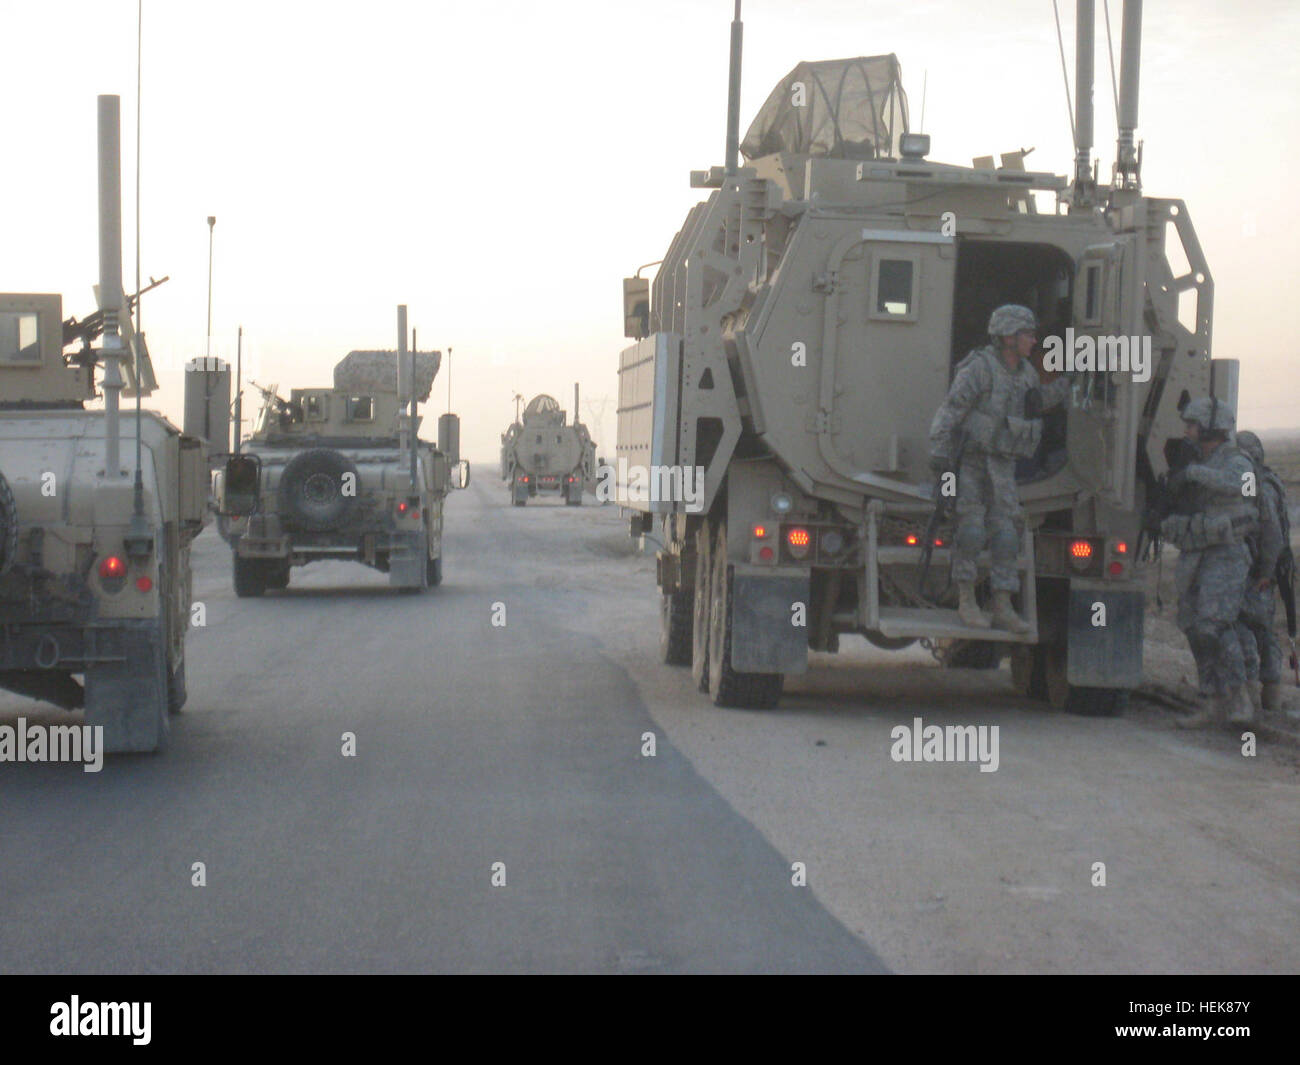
[
  {"x": 1167, "y": 495},
  {"x": 91, "y": 327}
]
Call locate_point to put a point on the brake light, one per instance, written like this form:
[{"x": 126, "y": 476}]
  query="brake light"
[
  {"x": 1121, "y": 548},
  {"x": 766, "y": 554},
  {"x": 1081, "y": 550},
  {"x": 1116, "y": 569},
  {"x": 912, "y": 541},
  {"x": 143, "y": 584},
  {"x": 760, "y": 532},
  {"x": 112, "y": 568},
  {"x": 799, "y": 541},
  {"x": 401, "y": 509},
  {"x": 938, "y": 543}
]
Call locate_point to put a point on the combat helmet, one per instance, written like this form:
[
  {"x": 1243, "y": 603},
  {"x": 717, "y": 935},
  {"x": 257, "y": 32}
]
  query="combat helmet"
[
  {"x": 1010, "y": 319},
  {"x": 1210, "y": 414}
]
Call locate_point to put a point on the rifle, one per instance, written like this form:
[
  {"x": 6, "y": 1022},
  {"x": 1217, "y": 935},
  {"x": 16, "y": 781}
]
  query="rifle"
[
  {"x": 92, "y": 326},
  {"x": 1286, "y": 586}
]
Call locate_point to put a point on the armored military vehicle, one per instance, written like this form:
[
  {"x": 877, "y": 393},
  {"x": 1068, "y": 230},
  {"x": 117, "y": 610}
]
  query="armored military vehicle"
[
  {"x": 542, "y": 454},
  {"x": 802, "y": 330},
  {"x": 97, "y": 510},
  {"x": 340, "y": 473}
]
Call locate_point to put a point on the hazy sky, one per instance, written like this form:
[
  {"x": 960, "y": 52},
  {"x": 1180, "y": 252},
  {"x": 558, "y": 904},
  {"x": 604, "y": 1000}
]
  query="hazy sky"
[{"x": 499, "y": 167}]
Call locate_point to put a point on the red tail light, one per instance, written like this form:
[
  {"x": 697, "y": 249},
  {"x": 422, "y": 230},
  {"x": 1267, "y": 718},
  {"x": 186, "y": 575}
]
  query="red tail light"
[
  {"x": 112, "y": 568},
  {"x": 799, "y": 542},
  {"x": 1121, "y": 548},
  {"x": 760, "y": 532},
  {"x": 912, "y": 541},
  {"x": 765, "y": 553},
  {"x": 144, "y": 584},
  {"x": 1080, "y": 549}
]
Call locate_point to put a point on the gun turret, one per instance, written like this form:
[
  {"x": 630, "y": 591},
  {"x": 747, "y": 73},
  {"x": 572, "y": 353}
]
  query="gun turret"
[{"x": 91, "y": 327}]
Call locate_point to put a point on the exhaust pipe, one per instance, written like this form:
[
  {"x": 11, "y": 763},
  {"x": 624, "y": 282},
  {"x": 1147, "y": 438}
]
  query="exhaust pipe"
[
  {"x": 1129, "y": 63},
  {"x": 1084, "y": 31},
  {"x": 576, "y": 419},
  {"x": 110, "y": 276}
]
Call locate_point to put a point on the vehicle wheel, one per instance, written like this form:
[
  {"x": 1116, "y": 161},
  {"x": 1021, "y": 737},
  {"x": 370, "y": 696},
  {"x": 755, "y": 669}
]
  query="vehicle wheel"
[
  {"x": 176, "y": 689},
  {"x": 1028, "y": 670},
  {"x": 433, "y": 571},
  {"x": 700, "y": 611},
  {"x": 973, "y": 654},
  {"x": 727, "y": 687},
  {"x": 1074, "y": 699},
  {"x": 675, "y": 628},
  {"x": 8, "y": 526},
  {"x": 311, "y": 490},
  {"x": 277, "y": 577},
  {"x": 573, "y": 496},
  {"x": 250, "y": 577}
]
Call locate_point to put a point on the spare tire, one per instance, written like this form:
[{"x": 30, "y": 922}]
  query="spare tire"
[
  {"x": 8, "y": 527},
  {"x": 312, "y": 496}
]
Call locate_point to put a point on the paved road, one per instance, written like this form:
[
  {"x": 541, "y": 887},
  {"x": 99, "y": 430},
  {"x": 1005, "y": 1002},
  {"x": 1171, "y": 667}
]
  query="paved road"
[{"x": 476, "y": 744}]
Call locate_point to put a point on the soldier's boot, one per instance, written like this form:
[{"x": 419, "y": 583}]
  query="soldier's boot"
[
  {"x": 967, "y": 609},
  {"x": 1209, "y": 712},
  {"x": 1270, "y": 696},
  {"x": 1239, "y": 707},
  {"x": 1005, "y": 616}
]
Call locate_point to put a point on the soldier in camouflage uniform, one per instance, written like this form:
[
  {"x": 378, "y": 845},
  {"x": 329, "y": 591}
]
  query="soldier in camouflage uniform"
[
  {"x": 995, "y": 405},
  {"x": 1210, "y": 530},
  {"x": 1260, "y": 650}
]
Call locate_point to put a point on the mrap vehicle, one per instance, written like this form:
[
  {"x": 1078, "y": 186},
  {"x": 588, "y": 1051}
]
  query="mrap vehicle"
[
  {"x": 542, "y": 454},
  {"x": 804, "y": 327},
  {"x": 97, "y": 510},
  {"x": 341, "y": 473}
]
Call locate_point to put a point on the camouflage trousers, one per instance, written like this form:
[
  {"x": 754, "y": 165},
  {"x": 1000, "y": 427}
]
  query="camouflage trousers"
[
  {"x": 988, "y": 512},
  {"x": 1211, "y": 589},
  {"x": 1260, "y": 650}
]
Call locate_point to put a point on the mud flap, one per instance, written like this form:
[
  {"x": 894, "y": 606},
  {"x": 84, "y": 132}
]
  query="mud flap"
[
  {"x": 407, "y": 561},
  {"x": 1107, "y": 655},
  {"x": 128, "y": 699},
  {"x": 769, "y": 622}
]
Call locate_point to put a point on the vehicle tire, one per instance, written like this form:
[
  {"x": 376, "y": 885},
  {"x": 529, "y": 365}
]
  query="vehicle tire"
[
  {"x": 433, "y": 571},
  {"x": 675, "y": 628},
  {"x": 250, "y": 577},
  {"x": 8, "y": 527},
  {"x": 973, "y": 654},
  {"x": 727, "y": 687},
  {"x": 1074, "y": 699},
  {"x": 1028, "y": 670},
  {"x": 700, "y": 611},
  {"x": 277, "y": 577},
  {"x": 573, "y": 495},
  {"x": 311, "y": 490},
  {"x": 177, "y": 692}
]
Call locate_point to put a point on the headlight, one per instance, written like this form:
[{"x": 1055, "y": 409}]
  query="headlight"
[{"x": 782, "y": 503}]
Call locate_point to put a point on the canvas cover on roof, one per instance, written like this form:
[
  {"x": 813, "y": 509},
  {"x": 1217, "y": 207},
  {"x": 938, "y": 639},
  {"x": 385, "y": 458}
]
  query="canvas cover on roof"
[
  {"x": 847, "y": 108},
  {"x": 376, "y": 371}
]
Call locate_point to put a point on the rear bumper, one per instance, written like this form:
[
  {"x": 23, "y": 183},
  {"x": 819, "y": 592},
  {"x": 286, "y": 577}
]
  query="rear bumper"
[{"x": 67, "y": 648}]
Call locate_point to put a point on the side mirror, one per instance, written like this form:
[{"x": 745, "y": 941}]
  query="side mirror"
[
  {"x": 636, "y": 307},
  {"x": 241, "y": 486},
  {"x": 462, "y": 474}
]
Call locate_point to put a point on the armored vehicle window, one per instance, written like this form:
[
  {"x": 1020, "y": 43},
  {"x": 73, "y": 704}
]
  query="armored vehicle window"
[
  {"x": 361, "y": 409},
  {"x": 1092, "y": 297},
  {"x": 317, "y": 408},
  {"x": 19, "y": 337},
  {"x": 894, "y": 289}
]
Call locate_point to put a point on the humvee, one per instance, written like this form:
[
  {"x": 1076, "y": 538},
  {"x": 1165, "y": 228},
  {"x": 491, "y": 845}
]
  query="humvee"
[
  {"x": 97, "y": 510},
  {"x": 340, "y": 473}
]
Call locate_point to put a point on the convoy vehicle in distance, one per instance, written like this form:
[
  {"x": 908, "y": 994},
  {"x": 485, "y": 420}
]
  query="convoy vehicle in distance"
[
  {"x": 541, "y": 454},
  {"x": 803, "y": 329},
  {"x": 340, "y": 473},
  {"x": 97, "y": 510}
]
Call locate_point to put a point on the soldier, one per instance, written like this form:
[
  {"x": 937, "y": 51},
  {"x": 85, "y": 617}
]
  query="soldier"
[
  {"x": 995, "y": 403},
  {"x": 1210, "y": 531},
  {"x": 1260, "y": 650}
]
